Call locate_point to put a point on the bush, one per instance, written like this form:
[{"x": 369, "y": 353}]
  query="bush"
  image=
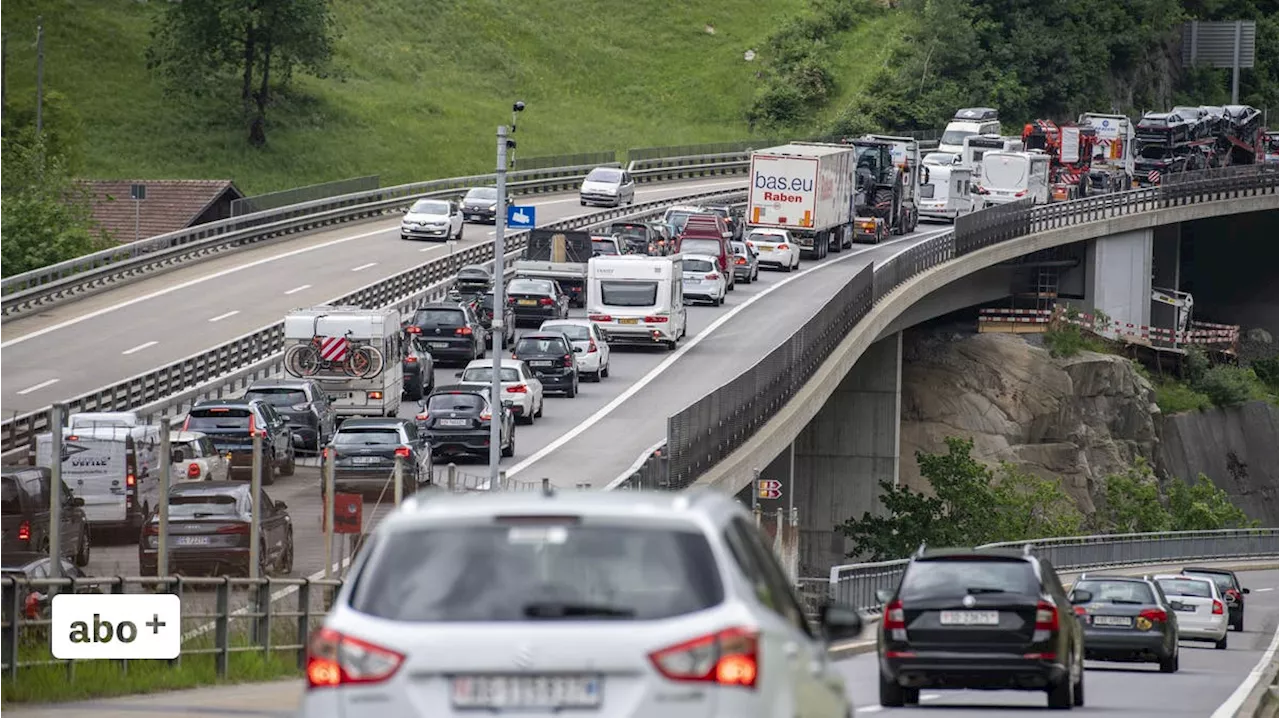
[
  {"x": 1227, "y": 385},
  {"x": 1174, "y": 397},
  {"x": 1067, "y": 340}
]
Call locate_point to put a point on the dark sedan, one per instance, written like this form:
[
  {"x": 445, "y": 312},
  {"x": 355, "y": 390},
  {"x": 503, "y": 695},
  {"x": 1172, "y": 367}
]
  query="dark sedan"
[
  {"x": 209, "y": 532},
  {"x": 536, "y": 300},
  {"x": 25, "y": 521},
  {"x": 473, "y": 279},
  {"x": 456, "y": 421},
  {"x": 550, "y": 355},
  {"x": 1126, "y": 619},
  {"x": 365, "y": 454},
  {"x": 451, "y": 331},
  {"x": 480, "y": 204},
  {"x": 419, "y": 368},
  {"x": 1230, "y": 588}
]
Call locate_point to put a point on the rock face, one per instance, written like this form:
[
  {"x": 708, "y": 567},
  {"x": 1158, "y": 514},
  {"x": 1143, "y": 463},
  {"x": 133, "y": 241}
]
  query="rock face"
[{"x": 1079, "y": 418}]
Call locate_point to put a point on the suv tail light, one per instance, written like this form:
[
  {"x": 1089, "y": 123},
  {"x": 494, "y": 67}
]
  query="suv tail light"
[
  {"x": 568, "y": 360},
  {"x": 729, "y": 658},
  {"x": 253, "y": 424},
  {"x": 600, "y": 317},
  {"x": 546, "y": 301},
  {"x": 1046, "y": 616},
  {"x": 411, "y": 359},
  {"x": 1217, "y": 607},
  {"x": 894, "y": 616},
  {"x": 130, "y": 481},
  {"x": 414, "y": 329},
  {"x": 334, "y": 660},
  {"x": 655, "y": 320},
  {"x": 462, "y": 331},
  {"x": 402, "y": 452},
  {"x": 518, "y": 389},
  {"x": 193, "y": 470},
  {"x": 1155, "y": 615},
  {"x": 486, "y": 416},
  {"x": 24, "y": 531}
]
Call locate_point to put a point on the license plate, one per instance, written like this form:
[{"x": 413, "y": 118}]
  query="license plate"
[
  {"x": 527, "y": 303},
  {"x": 628, "y": 321},
  {"x": 764, "y": 248},
  {"x": 1185, "y": 608},
  {"x": 454, "y": 422},
  {"x": 190, "y": 540},
  {"x": 1117, "y": 621},
  {"x": 366, "y": 460},
  {"x": 526, "y": 692},
  {"x": 970, "y": 618},
  {"x": 439, "y": 345},
  {"x": 542, "y": 363}
]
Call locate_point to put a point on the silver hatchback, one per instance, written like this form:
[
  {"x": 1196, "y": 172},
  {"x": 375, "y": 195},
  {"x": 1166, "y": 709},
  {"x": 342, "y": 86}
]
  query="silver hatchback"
[{"x": 621, "y": 604}]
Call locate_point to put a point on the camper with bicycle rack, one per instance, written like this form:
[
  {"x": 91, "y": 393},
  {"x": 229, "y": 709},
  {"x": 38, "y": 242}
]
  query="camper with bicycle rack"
[{"x": 354, "y": 353}]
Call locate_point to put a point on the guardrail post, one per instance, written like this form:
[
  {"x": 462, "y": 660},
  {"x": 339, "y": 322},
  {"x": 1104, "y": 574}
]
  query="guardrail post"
[
  {"x": 180, "y": 589},
  {"x": 262, "y": 619},
  {"x": 117, "y": 586},
  {"x": 451, "y": 477},
  {"x": 221, "y": 632},
  {"x": 12, "y": 627},
  {"x": 304, "y": 622}
]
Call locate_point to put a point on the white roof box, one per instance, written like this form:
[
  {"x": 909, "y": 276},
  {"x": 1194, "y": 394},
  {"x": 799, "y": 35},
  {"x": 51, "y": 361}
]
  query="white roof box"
[{"x": 977, "y": 114}]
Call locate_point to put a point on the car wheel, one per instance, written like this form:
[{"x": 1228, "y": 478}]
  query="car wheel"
[
  {"x": 1078, "y": 698},
  {"x": 537, "y": 414},
  {"x": 891, "y": 694},
  {"x": 572, "y": 391},
  {"x": 461, "y": 227},
  {"x": 1061, "y": 694},
  {"x": 595, "y": 376},
  {"x": 268, "y": 473},
  {"x": 82, "y": 549},
  {"x": 291, "y": 465},
  {"x": 286, "y": 561},
  {"x": 605, "y": 371},
  {"x": 1169, "y": 664},
  {"x": 510, "y": 449},
  {"x": 1221, "y": 644},
  {"x": 1239, "y": 623}
]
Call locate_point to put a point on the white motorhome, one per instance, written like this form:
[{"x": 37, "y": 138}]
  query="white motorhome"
[
  {"x": 354, "y": 353},
  {"x": 968, "y": 121},
  {"x": 946, "y": 192},
  {"x": 115, "y": 469},
  {"x": 977, "y": 145},
  {"x": 1011, "y": 176},
  {"x": 637, "y": 298}
]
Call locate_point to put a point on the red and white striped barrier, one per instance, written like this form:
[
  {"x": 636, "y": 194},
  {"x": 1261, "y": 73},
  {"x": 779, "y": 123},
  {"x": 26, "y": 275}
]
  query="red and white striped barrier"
[{"x": 1199, "y": 333}]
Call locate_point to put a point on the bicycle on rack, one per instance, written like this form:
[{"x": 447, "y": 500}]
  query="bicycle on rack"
[{"x": 360, "y": 361}]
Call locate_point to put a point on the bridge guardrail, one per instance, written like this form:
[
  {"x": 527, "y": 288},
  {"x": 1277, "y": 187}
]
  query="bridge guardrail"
[
  {"x": 709, "y": 430},
  {"x": 257, "y": 354},
  {"x": 247, "y": 614}
]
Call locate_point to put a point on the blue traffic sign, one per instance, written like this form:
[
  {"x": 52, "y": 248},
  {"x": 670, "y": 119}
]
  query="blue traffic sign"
[{"x": 520, "y": 217}]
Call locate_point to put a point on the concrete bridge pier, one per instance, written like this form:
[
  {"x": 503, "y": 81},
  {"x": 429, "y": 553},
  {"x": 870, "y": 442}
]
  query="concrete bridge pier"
[
  {"x": 1117, "y": 278},
  {"x": 844, "y": 453}
]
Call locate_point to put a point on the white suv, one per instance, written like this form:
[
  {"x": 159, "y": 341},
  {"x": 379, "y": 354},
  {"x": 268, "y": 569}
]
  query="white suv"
[{"x": 591, "y": 603}]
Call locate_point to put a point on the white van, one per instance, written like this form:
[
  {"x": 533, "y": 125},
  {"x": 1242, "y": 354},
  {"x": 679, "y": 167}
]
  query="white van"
[
  {"x": 967, "y": 122},
  {"x": 946, "y": 192},
  {"x": 1011, "y": 176},
  {"x": 637, "y": 298},
  {"x": 314, "y": 350},
  {"x": 114, "y": 469},
  {"x": 103, "y": 420},
  {"x": 977, "y": 145}
]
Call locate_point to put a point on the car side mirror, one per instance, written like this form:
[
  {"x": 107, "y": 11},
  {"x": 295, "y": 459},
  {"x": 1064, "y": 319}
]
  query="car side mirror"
[
  {"x": 281, "y": 506},
  {"x": 1080, "y": 596},
  {"x": 884, "y": 595},
  {"x": 839, "y": 623},
  {"x": 577, "y": 350},
  {"x": 458, "y": 374},
  {"x": 79, "y": 502},
  {"x": 1244, "y": 590},
  {"x": 177, "y": 457}
]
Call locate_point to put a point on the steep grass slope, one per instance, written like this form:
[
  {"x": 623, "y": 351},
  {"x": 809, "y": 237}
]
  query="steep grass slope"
[{"x": 422, "y": 85}]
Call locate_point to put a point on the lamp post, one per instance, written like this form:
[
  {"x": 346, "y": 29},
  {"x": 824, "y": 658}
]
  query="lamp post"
[{"x": 496, "y": 408}]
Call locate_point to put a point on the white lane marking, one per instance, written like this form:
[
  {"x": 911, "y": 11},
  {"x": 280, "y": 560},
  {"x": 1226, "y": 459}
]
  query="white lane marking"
[
  {"x": 37, "y": 387},
  {"x": 139, "y": 348},
  {"x": 364, "y": 266},
  {"x": 930, "y": 696},
  {"x": 1241, "y": 694},
  {"x": 870, "y": 709},
  {"x": 1262, "y": 590},
  {"x": 295, "y": 290},
  {"x": 220, "y": 317},
  {"x": 675, "y": 356}
]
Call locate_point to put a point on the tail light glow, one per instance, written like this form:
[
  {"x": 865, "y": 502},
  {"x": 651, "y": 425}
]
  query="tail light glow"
[
  {"x": 1080, "y": 611},
  {"x": 1155, "y": 615},
  {"x": 193, "y": 470},
  {"x": 783, "y": 247},
  {"x": 518, "y": 389},
  {"x": 411, "y": 359},
  {"x": 546, "y": 301},
  {"x": 402, "y": 452},
  {"x": 1046, "y": 616},
  {"x": 462, "y": 331},
  {"x": 728, "y": 658},
  {"x": 894, "y": 616},
  {"x": 414, "y": 330},
  {"x": 656, "y": 320},
  {"x": 713, "y": 275},
  {"x": 334, "y": 659},
  {"x": 422, "y": 417},
  {"x": 151, "y": 530},
  {"x": 24, "y": 531},
  {"x": 740, "y": 260},
  {"x": 130, "y": 480},
  {"x": 375, "y": 395},
  {"x": 600, "y": 318},
  {"x": 486, "y": 416},
  {"x": 1217, "y": 607}
]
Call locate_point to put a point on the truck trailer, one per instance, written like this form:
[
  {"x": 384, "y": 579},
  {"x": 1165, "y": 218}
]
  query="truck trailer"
[
  {"x": 806, "y": 189},
  {"x": 561, "y": 256}
]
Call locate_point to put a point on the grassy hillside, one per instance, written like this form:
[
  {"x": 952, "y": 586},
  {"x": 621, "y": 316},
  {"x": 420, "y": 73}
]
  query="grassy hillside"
[{"x": 422, "y": 85}]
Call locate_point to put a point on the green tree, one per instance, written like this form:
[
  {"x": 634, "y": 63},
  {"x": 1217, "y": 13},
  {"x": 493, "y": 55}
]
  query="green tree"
[
  {"x": 1202, "y": 506},
  {"x": 1132, "y": 503},
  {"x": 1031, "y": 507},
  {"x": 204, "y": 47}
]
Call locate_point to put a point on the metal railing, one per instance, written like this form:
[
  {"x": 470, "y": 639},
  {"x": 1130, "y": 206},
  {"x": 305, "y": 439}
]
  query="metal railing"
[
  {"x": 713, "y": 427},
  {"x": 297, "y": 195},
  {"x": 855, "y": 584},
  {"x": 231, "y": 366}
]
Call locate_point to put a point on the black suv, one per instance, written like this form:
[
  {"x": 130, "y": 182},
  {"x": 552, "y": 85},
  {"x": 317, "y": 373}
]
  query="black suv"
[
  {"x": 231, "y": 423},
  {"x": 550, "y": 356},
  {"x": 365, "y": 451},
  {"x": 451, "y": 331},
  {"x": 1230, "y": 588},
  {"x": 1127, "y": 619},
  {"x": 24, "y": 496},
  {"x": 457, "y": 421},
  {"x": 303, "y": 405},
  {"x": 981, "y": 619}
]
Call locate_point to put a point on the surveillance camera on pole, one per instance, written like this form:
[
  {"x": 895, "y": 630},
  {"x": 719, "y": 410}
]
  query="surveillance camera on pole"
[{"x": 505, "y": 144}]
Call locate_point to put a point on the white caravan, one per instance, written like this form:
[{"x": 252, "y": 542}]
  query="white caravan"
[
  {"x": 975, "y": 146},
  {"x": 637, "y": 298},
  {"x": 946, "y": 192},
  {"x": 1011, "y": 176},
  {"x": 115, "y": 469},
  {"x": 354, "y": 353}
]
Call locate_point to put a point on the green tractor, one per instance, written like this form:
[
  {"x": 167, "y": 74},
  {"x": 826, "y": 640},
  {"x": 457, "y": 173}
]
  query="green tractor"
[{"x": 881, "y": 186}]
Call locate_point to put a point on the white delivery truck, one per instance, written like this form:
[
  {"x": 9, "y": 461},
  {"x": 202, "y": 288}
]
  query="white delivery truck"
[
  {"x": 354, "y": 353},
  {"x": 946, "y": 191},
  {"x": 1113, "y": 152},
  {"x": 637, "y": 298},
  {"x": 1011, "y": 176},
  {"x": 115, "y": 469},
  {"x": 806, "y": 189}
]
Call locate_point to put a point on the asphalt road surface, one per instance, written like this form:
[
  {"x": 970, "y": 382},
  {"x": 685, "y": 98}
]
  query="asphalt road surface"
[{"x": 104, "y": 339}]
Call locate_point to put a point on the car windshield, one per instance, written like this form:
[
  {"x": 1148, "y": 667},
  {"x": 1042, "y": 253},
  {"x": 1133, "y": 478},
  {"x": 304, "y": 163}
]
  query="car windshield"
[
  {"x": 1104, "y": 591},
  {"x": 1154, "y": 152},
  {"x": 205, "y": 419},
  {"x": 740, "y": 248},
  {"x": 482, "y": 193},
  {"x": 697, "y": 265},
  {"x": 529, "y": 286},
  {"x": 278, "y": 396},
  {"x": 199, "y": 506},
  {"x": 1193, "y": 588},
  {"x": 700, "y": 246},
  {"x": 429, "y": 206},
  {"x": 603, "y": 246},
  {"x": 9, "y": 503},
  {"x": 935, "y": 578},
  {"x": 955, "y": 137},
  {"x": 438, "y": 318},
  {"x": 601, "y": 174},
  {"x": 455, "y": 402},
  {"x": 366, "y": 437},
  {"x": 523, "y": 571},
  {"x": 629, "y": 294},
  {"x": 1155, "y": 121},
  {"x": 1223, "y": 581},
  {"x": 575, "y": 332},
  {"x": 939, "y": 158},
  {"x": 540, "y": 345},
  {"x": 485, "y": 374}
]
